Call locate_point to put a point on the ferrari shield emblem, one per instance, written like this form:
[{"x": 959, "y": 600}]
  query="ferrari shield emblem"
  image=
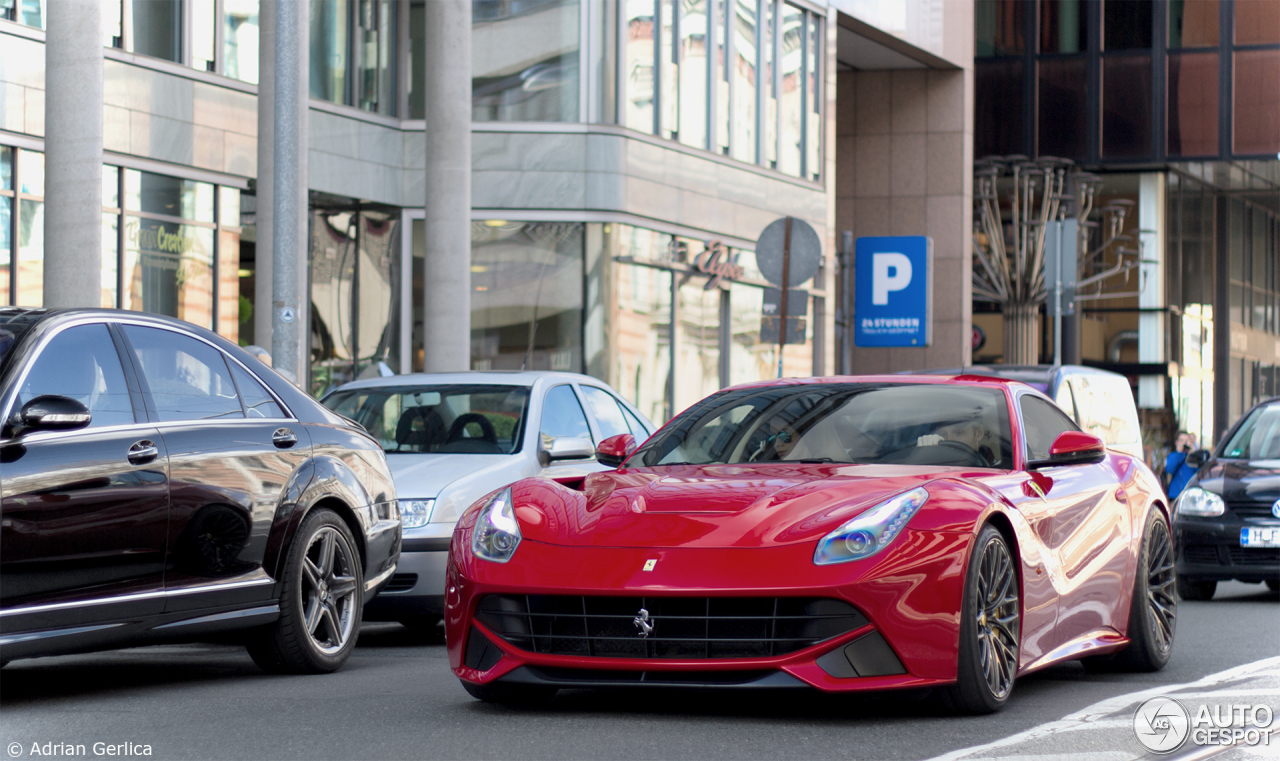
[{"x": 651, "y": 562}]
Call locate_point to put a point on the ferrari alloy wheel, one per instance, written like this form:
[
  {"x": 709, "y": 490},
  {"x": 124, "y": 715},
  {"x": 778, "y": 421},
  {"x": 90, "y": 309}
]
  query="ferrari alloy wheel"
[
  {"x": 1153, "y": 612},
  {"x": 322, "y": 602},
  {"x": 989, "y": 628}
]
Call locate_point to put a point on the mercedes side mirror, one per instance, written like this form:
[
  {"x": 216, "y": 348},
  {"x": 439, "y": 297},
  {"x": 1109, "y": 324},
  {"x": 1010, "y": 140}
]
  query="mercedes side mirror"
[
  {"x": 1072, "y": 448},
  {"x": 566, "y": 448},
  {"x": 615, "y": 450},
  {"x": 50, "y": 413},
  {"x": 1198, "y": 458}
]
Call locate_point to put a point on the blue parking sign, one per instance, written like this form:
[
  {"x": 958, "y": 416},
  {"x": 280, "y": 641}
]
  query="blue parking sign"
[{"x": 893, "y": 296}]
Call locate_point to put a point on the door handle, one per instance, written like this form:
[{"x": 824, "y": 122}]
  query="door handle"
[
  {"x": 143, "y": 452},
  {"x": 284, "y": 438}
]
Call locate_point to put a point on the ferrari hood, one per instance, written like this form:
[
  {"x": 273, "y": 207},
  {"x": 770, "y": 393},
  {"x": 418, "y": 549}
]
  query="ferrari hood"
[{"x": 715, "y": 505}]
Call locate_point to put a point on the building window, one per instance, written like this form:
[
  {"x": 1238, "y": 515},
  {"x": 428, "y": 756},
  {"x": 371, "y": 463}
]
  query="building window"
[
  {"x": 737, "y": 77},
  {"x": 1257, "y": 22},
  {"x": 1063, "y": 25},
  {"x": 353, "y": 54},
  {"x": 525, "y": 60},
  {"x": 998, "y": 107},
  {"x": 1193, "y": 24},
  {"x": 240, "y": 26},
  {"x": 999, "y": 27},
  {"x": 25, "y": 12},
  {"x": 355, "y": 295},
  {"x": 1192, "y": 104},
  {"x": 155, "y": 28},
  {"x": 1062, "y": 107},
  {"x": 1126, "y": 106},
  {"x": 1256, "y": 101},
  {"x": 1126, "y": 25}
]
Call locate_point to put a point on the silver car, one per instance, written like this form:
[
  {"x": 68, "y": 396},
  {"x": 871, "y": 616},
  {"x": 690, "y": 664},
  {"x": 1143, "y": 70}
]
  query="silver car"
[{"x": 451, "y": 438}]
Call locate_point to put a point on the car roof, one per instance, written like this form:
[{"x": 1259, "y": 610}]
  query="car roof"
[
  {"x": 960, "y": 378},
  {"x": 488, "y": 377}
]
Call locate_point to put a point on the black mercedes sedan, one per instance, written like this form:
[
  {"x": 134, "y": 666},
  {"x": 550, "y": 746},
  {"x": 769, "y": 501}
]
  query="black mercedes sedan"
[
  {"x": 158, "y": 483},
  {"x": 1227, "y": 520}
]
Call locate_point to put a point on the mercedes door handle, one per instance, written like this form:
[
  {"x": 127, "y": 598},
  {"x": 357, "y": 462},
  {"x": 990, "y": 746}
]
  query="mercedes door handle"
[
  {"x": 284, "y": 438},
  {"x": 143, "y": 452}
]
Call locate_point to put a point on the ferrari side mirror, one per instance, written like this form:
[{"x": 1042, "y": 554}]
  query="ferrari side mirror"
[
  {"x": 1072, "y": 448},
  {"x": 614, "y": 450}
]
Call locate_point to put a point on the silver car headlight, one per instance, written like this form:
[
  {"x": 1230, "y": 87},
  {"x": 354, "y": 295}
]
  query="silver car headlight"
[
  {"x": 415, "y": 513},
  {"x": 871, "y": 531},
  {"x": 1200, "y": 503},
  {"x": 496, "y": 534}
]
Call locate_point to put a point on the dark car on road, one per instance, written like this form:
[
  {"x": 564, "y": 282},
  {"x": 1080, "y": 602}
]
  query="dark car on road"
[
  {"x": 158, "y": 483},
  {"x": 1227, "y": 521}
]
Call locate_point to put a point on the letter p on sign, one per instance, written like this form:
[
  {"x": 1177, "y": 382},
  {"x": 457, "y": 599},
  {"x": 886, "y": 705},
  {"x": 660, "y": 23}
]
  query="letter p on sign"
[{"x": 889, "y": 272}]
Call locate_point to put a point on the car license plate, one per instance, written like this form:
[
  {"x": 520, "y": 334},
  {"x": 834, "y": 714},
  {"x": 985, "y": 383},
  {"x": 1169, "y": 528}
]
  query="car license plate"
[{"x": 1260, "y": 537}]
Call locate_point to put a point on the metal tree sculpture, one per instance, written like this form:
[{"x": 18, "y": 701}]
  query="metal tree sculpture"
[{"x": 1009, "y": 241}]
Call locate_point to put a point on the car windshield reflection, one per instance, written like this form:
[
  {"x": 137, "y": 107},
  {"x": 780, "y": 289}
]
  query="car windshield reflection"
[
  {"x": 920, "y": 424},
  {"x": 438, "y": 419}
]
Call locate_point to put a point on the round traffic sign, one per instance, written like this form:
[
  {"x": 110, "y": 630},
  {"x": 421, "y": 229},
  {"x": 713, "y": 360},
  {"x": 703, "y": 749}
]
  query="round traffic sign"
[{"x": 806, "y": 252}]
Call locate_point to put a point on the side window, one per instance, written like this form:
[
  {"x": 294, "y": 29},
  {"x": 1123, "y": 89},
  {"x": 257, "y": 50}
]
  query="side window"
[
  {"x": 637, "y": 428},
  {"x": 1064, "y": 400},
  {"x": 608, "y": 413},
  {"x": 258, "y": 402},
  {"x": 1041, "y": 424},
  {"x": 188, "y": 379},
  {"x": 562, "y": 416},
  {"x": 82, "y": 363}
]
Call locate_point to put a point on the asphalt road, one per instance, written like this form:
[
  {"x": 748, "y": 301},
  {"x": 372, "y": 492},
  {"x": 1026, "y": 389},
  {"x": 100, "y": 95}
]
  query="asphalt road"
[{"x": 397, "y": 699}]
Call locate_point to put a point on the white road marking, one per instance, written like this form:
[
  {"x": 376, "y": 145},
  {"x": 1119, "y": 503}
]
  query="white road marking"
[{"x": 1115, "y": 714}]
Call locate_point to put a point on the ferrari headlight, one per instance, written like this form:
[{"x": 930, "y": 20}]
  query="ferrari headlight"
[
  {"x": 496, "y": 534},
  {"x": 415, "y": 513},
  {"x": 1201, "y": 503},
  {"x": 871, "y": 531}
]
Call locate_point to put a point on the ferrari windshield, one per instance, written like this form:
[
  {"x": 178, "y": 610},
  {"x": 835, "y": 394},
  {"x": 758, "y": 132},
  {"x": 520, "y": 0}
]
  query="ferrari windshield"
[
  {"x": 920, "y": 424},
  {"x": 457, "y": 419}
]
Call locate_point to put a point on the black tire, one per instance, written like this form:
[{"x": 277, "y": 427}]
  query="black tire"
[
  {"x": 990, "y": 629},
  {"x": 523, "y": 695},
  {"x": 1273, "y": 585},
  {"x": 1191, "y": 589},
  {"x": 1153, "y": 610},
  {"x": 427, "y": 623},
  {"x": 319, "y": 614}
]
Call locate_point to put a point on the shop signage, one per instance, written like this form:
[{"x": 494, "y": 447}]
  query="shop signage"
[
  {"x": 894, "y": 292},
  {"x": 715, "y": 260},
  {"x": 159, "y": 239}
]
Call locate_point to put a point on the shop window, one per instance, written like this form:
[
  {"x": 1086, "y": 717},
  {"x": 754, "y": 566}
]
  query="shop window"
[
  {"x": 240, "y": 27},
  {"x": 6, "y": 223},
  {"x": 1257, "y": 22},
  {"x": 524, "y": 60},
  {"x": 643, "y": 332},
  {"x": 998, "y": 107},
  {"x": 1126, "y": 107},
  {"x": 1256, "y": 101},
  {"x": 1193, "y": 23},
  {"x": 1062, "y": 26},
  {"x": 526, "y": 295},
  {"x": 1126, "y": 25},
  {"x": 698, "y": 345},
  {"x": 1192, "y": 82},
  {"x": 1062, "y": 110},
  {"x": 999, "y": 27},
  {"x": 355, "y": 295}
]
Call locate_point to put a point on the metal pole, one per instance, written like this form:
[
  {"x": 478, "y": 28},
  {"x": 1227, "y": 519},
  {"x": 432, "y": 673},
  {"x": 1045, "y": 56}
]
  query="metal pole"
[
  {"x": 1057, "y": 303},
  {"x": 289, "y": 186},
  {"x": 263, "y": 280},
  {"x": 786, "y": 276},
  {"x": 846, "y": 301}
]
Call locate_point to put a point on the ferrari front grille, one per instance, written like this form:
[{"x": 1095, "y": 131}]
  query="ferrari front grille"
[{"x": 666, "y": 627}]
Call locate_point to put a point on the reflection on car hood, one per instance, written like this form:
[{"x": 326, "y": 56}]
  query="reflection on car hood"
[
  {"x": 1243, "y": 481},
  {"x": 717, "y": 505},
  {"x": 424, "y": 476}
]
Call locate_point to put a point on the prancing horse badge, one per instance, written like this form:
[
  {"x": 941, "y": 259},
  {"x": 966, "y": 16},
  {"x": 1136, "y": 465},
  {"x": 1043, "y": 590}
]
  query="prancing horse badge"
[{"x": 650, "y": 563}]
